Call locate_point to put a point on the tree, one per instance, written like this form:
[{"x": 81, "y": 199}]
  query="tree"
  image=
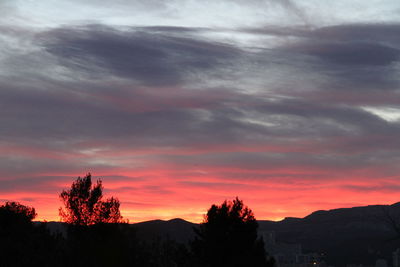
[
  {"x": 23, "y": 242},
  {"x": 96, "y": 233},
  {"x": 84, "y": 205},
  {"x": 228, "y": 237},
  {"x": 16, "y": 212}
]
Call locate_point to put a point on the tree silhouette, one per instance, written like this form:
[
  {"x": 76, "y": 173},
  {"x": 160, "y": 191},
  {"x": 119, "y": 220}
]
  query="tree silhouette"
[
  {"x": 23, "y": 242},
  {"x": 84, "y": 205},
  {"x": 228, "y": 237},
  {"x": 15, "y": 213}
]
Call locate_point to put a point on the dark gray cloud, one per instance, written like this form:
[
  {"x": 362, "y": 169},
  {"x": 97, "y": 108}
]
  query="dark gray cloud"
[
  {"x": 21, "y": 166},
  {"x": 379, "y": 33},
  {"x": 361, "y": 57},
  {"x": 351, "y": 54},
  {"x": 45, "y": 184},
  {"x": 273, "y": 162},
  {"x": 151, "y": 58},
  {"x": 42, "y": 117},
  {"x": 382, "y": 33}
]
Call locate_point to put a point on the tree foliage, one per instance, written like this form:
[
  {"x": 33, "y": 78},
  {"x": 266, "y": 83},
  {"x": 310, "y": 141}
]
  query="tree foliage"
[
  {"x": 17, "y": 211},
  {"x": 23, "y": 242},
  {"x": 84, "y": 205},
  {"x": 228, "y": 237}
]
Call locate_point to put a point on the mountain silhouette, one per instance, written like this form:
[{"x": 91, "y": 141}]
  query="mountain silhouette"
[
  {"x": 358, "y": 235},
  {"x": 176, "y": 229}
]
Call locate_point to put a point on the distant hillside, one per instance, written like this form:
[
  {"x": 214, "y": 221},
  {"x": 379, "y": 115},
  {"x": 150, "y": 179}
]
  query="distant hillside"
[
  {"x": 351, "y": 235},
  {"x": 175, "y": 229},
  {"x": 348, "y": 235}
]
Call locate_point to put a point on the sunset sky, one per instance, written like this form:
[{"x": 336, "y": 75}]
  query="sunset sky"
[{"x": 291, "y": 105}]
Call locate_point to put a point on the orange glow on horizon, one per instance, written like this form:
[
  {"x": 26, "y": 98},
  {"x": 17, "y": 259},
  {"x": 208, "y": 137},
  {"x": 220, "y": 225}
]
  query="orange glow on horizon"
[
  {"x": 155, "y": 188},
  {"x": 274, "y": 204}
]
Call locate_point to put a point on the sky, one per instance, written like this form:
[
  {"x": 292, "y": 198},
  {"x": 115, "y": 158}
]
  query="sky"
[{"x": 291, "y": 105}]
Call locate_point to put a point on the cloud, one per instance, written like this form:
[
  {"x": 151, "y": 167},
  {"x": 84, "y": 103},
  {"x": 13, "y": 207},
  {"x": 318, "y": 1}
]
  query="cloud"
[
  {"x": 42, "y": 184},
  {"x": 355, "y": 57},
  {"x": 8, "y": 8},
  {"x": 128, "y": 105},
  {"x": 349, "y": 54},
  {"x": 363, "y": 32},
  {"x": 160, "y": 111},
  {"x": 152, "y": 59},
  {"x": 293, "y": 8},
  {"x": 386, "y": 187}
]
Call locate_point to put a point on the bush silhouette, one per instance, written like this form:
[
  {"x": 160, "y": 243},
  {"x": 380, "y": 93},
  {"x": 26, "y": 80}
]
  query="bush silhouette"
[
  {"x": 228, "y": 237},
  {"x": 23, "y": 242},
  {"x": 14, "y": 214},
  {"x": 84, "y": 205}
]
